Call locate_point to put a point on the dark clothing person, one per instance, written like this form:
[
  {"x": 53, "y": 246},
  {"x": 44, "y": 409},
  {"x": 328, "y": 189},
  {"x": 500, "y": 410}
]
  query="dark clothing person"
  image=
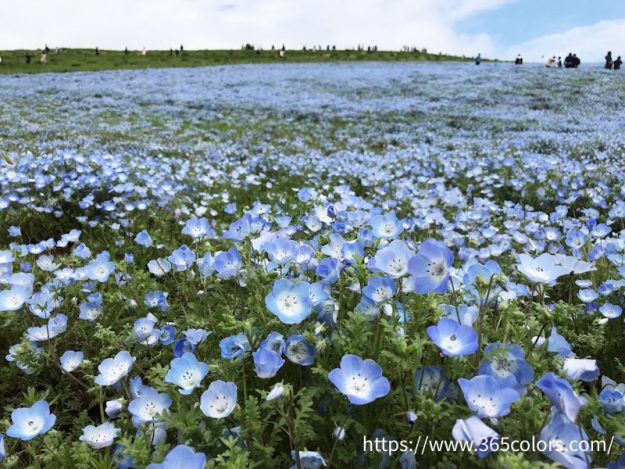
[
  {"x": 559, "y": 62},
  {"x": 617, "y": 63},
  {"x": 608, "y": 61},
  {"x": 568, "y": 61},
  {"x": 478, "y": 59},
  {"x": 518, "y": 60},
  {"x": 576, "y": 61},
  {"x": 28, "y": 58}
]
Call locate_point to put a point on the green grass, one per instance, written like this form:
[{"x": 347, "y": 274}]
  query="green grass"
[{"x": 72, "y": 60}]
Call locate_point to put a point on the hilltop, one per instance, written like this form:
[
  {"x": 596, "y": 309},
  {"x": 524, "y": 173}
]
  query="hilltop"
[{"x": 73, "y": 60}]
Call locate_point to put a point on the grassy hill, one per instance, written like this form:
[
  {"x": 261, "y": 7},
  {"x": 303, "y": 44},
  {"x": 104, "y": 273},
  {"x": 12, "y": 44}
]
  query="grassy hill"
[{"x": 71, "y": 60}]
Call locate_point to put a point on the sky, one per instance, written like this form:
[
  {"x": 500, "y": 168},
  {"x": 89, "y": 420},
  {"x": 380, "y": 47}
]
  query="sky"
[{"x": 495, "y": 28}]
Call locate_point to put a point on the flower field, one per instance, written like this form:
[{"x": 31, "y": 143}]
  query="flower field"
[{"x": 268, "y": 265}]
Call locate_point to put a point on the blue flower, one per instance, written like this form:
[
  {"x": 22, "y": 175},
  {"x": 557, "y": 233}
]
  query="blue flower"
[
  {"x": 487, "y": 397},
  {"x": 274, "y": 342},
  {"x": 506, "y": 363},
  {"x": 181, "y": 456},
  {"x": 392, "y": 259},
  {"x": 182, "y": 258},
  {"x": 29, "y": 422},
  {"x": 299, "y": 351},
  {"x": 101, "y": 436},
  {"x": 290, "y": 301},
  {"x": 14, "y": 231},
  {"x": 100, "y": 269},
  {"x": 159, "y": 267},
  {"x": 148, "y": 406},
  {"x": 612, "y": 400},
  {"x": 558, "y": 344},
  {"x": 452, "y": 338},
  {"x": 113, "y": 369},
  {"x": 308, "y": 460},
  {"x": 561, "y": 394},
  {"x": 361, "y": 381},
  {"x": 234, "y": 346},
  {"x": 14, "y": 298},
  {"x": 380, "y": 289},
  {"x": 386, "y": 226},
  {"x": 168, "y": 334},
  {"x": 143, "y": 239},
  {"x": 581, "y": 369},
  {"x": 183, "y": 345},
  {"x": 430, "y": 267},
  {"x": 329, "y": 269},
  {"x": 219, "y": 400},
  {"x": 198, "y": 228},
  {"x": 3, "y": 452},
  {"x": 610, "y": 311},
  {"x": 71, "y": 360},
  {"x": 267, "y": 362},
  {"x": 186, "y": 372},
  {"x": 477, "y": 432},
  {"x": 562, "y": 440},
  {"x": 228, "y": 263},
  {"x": 432, "y": 381}
]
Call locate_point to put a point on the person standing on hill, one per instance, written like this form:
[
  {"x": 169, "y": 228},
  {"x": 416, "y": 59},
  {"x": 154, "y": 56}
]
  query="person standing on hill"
[
  {"x": 478, "y": 59},
  {"x": 608, "y": 61},
  {"x": 617, "y": 63}
]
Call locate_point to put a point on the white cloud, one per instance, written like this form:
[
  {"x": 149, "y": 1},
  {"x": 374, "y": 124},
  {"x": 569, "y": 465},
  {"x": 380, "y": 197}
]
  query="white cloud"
[
  {"x": 590, "y": 43},
  {"x": 229, "y": 23}
]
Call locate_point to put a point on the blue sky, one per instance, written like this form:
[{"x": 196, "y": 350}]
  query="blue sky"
[
  {"x": 496, "y": 28},
  {"x": 523, "y": 20}
]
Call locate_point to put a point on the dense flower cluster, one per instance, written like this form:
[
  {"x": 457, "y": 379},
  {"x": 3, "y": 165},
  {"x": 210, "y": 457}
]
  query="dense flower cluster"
[{"x": 268, "y": 263}]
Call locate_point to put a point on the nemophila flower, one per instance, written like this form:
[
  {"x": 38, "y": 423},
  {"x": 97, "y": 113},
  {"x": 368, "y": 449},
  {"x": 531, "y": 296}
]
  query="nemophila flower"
[
  {"x": 432, "y": 382},
  {"x": 506, "y": 363},
  {"x": 276, "y": 392},
  {"x": 587, "y": 295},
  {"x": 452, "y": 338},
  {"x": 558, "y": 344},
  {"x": 71, "y": 360},
  {"x": 186, "y": 372},
  {"x": 580, "y": 369},
  {"x": 380, "y": 289},
  {"x": 308, "y": 460},
  {"x": 361, "y": 381},
  {"x": 319, "y": 292},
  {"x": 219, "y": 400},
  {"x": 159, "y": 267},
  {"x": 468, "y": 314},
  {"x": 113, "y": 369},
  {"x": 392, "y": 259},
  {"x": 101, "y": 436},
  {"x": 149, "y": 406},
  {"x": 100, "y": 269},
  {"x": 281, "y": 251},
  {"x": 543, "y": 269},
  {"x": 91, "y": 310},
  {"x": 386, "y": 226},
  {"x": 198, "y": 228},
  {"x": 610, "y": 311},
  {"x": 183, "y": 345},
  {"x": 182, "y": 258},
  {"x": 238, "y": 229},
  {"x": 563, "y": 441},
  {"x": 113, "y": 408},
  {"x": 267, "y": 362},
  {"x": 274, "y": 342},
  {"x": 181, "y": 456},
  {"x": 46, "y": 263},
  {"x": 205, "y": 264},
  {"x": 168, "y": 334},
  {"x": 290, "y": 301},
  {"x": 82, "y": 251},
  {"x": 196, "y": 336},
  {"x": 227, "y": 263},
  {"x": 561, "y": 394},
  {"x": 612, "y": 400},
  {"x": 480, "y": 281},
  {"x": 3, "y": 452},
  {"x": 43, "y": 303},
  {"x": 144, "y": 327},
  {"x": 430, "y": 267},
  {"x": 329, "y": 269},
  {"x": 14, "y": 231},
  {"x": 144, "y": 239},
  {"x": 14, "y": 298},
  {"x": 156, "y": 299},
  {"x": 487, "y": 397},
  {"x": 56, "y": 326},
  {"x": 477, "y": 432},
  {"x": 234, "y": 346},
  {"x": 29, "y": 422},
  {"x": 299, "y": 351}
]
